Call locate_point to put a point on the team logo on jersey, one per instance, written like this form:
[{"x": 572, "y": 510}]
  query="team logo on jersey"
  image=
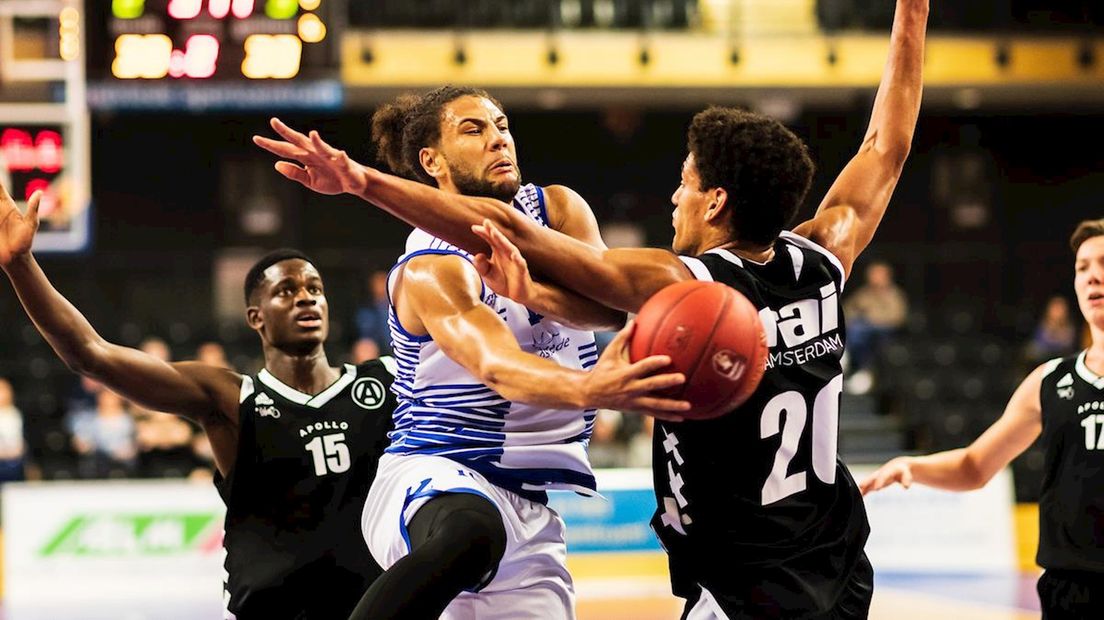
[
  {"x": 1065, "y": 387},
  {"x": 266, "y": 407},
  {"x": 804, "y": 330},
  {"x": 547, "y": 341},
  {"x": 369, "y": 393},
  {"x": 729, "y": 365}
]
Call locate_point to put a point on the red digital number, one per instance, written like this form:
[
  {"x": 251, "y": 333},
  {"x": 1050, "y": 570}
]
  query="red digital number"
[
  {"x": 48, "y": 151},
  {"x": 18, "y": 150}
]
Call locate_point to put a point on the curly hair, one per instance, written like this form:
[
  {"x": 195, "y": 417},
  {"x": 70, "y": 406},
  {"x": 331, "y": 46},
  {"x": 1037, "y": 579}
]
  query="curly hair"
[
  {"x": 1086, "y": 230},
  {"x": 763, "y": 166},
  {"x": 402, "y": 128}
]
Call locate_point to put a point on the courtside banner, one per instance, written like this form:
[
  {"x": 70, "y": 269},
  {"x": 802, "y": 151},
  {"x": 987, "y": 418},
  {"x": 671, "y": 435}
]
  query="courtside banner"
[
  {"x": 919, "y": 530},
  {"x": 928, "y": 530},
  {"x": 617, "y": 521},
  {"x": 111, "y": 541}
]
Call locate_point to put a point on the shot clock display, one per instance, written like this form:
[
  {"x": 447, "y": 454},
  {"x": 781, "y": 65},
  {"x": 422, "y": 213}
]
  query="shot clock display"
[
  {"x": 211, "y": 40},
  {"x": 35, "y": 157}
]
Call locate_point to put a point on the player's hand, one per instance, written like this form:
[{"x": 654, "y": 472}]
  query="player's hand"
[
  {"x": 615, "y": 383},
  {"x": 505, "y": 270},
  {"x": 896, "y": 471},
  {"x": 320, "y": 166},
  {"x": 17, "y": 230}
]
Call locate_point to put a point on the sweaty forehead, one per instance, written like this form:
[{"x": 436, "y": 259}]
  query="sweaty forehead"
[
  {"x": 296, "y": 268},
  {"x": 471, "y": 107}
]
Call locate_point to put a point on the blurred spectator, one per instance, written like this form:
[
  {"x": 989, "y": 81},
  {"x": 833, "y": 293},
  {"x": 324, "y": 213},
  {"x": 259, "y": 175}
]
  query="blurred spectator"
[
  {"x": 606, "y": 450},
  {"x": 640, "y": 444},
  {"x": 1055, "y": 335},
  {"x": 212, "y": 353},
  {"x": 164, "y": 444},
  {"x": 84, "y": 394},
  {"x": 11, "y": 436},
  {"x": 875, "y": 312},
  {"x": 103, "y": 438},
  {"x": 363, "y": 350},
  {"x": 157, "y": 348},
  {"x": 203, "y": 459},
  {"x": 371, "y": 317}
]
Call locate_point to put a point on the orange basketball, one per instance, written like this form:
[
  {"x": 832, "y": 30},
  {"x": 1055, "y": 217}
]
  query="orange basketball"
[{"x": 713, "y": 335}]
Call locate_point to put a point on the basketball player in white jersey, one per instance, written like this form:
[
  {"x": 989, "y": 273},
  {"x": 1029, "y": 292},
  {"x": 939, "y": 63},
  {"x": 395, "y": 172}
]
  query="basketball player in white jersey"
[{"x": 492, "y": 393}]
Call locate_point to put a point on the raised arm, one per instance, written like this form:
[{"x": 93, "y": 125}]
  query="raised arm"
[
  {"x": 851, "y": 211},
  {"x": 972, "y": 467},
  {"x": 441, "y": 296},
  {"x": 570, "y": 214},
  {"x": 506, "y": 272},
  {"x": 622, "y": 279},
  {"x": 199, "y": 392}
]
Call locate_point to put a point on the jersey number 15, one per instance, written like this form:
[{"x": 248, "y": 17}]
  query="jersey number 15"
[{"x": 330, "y": 454}]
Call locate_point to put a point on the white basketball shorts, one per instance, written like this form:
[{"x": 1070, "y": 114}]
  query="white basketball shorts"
[{"x": 532, "y": 579}]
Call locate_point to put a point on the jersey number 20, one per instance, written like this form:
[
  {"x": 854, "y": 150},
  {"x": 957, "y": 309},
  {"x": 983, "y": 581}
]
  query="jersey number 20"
[
  {"x": 825, "y": 429},
  {"x": 330, "y": 454}
]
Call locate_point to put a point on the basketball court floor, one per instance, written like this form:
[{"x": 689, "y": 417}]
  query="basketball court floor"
[
  {"x": 643, "y": 594},
  {"x": 646, "y": 597}
]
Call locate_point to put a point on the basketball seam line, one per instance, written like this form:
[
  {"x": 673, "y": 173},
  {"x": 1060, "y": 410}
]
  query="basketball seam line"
[
  {"x": 708, "y": 341},
  {"x": 659, "y": 328}
]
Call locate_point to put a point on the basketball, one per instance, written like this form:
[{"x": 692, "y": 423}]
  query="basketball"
[{"x": 713, "y": 335}]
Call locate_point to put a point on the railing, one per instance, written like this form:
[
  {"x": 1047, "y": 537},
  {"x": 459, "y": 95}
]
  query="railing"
[{"x": 758, "y": 17}]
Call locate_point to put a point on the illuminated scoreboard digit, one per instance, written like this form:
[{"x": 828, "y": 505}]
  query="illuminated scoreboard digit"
[
  {"x": 216, "y": 40},
  {"x": 39, "y": 157},
  {"x": 32, "y": 158}
]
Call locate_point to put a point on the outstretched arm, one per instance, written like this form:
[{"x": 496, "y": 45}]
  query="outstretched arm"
[
  {"x": 621, "y": 278},
  {"x": 570, "y": 214},
  {"x": 851, "y": 211},
  {"x": 972, "y": 467},
  {"x": 200, "y": 392},
  {"x": 440, "y": 296}
]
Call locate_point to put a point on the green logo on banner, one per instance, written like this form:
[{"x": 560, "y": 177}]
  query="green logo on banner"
[{"x": 127, "y": 535}]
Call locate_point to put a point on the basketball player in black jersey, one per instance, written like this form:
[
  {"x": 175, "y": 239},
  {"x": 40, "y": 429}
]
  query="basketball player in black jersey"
[
  {"x": 1063, "y": 401},
  {"x": 759, "y": 517},
  {"x": 296, "y": 446}
]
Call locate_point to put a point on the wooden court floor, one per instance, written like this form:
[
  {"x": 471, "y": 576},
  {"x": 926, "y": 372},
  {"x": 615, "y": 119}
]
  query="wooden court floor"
[{"x": 641, "y": 592}]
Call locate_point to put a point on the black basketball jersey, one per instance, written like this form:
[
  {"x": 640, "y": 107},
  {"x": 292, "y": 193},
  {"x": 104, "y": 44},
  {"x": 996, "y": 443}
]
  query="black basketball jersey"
[
  {"x": 294, "y": 547},
  {"x": 755, "y": 506},
  {"x": 1071, "y": 506}
]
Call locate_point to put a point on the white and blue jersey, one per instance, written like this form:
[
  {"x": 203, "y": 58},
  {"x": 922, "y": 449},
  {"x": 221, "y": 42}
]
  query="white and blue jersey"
[{"x": 445, "y": 411}]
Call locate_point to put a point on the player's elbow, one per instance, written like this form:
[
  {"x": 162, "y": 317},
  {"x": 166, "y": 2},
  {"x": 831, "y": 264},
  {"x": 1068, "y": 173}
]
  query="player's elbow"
[
  {"x": 894, "y": 148},
  {"x": 974, "y": 476},
  {"x": 615, "y": 320},
  {"x": 492, "y": 372},
  {"x": 83, "y": 358}
]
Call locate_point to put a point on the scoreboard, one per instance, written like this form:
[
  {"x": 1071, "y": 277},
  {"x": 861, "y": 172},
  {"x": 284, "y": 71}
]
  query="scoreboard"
[
  {"x": 42, "y": 157},
  {"x": 211, "y": 40},
  {"x": 32, "y": 158}
]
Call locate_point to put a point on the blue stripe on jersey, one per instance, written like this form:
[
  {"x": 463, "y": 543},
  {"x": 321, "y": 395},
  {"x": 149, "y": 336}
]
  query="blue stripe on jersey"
[
  {"x": 543, "y": 207},
  {"x": 560, "y": 476},
  {"x": 453, "y": 386},
  {"x": 441, "y": 412},
  {"x": 399, "y": 332}
]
